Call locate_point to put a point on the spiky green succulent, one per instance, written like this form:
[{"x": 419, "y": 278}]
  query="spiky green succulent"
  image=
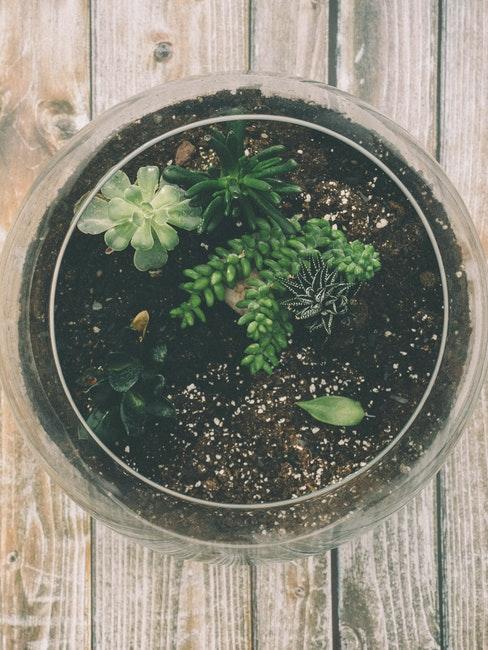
[
  {"x": 319, "y": 294},
  {"x": 244, "y": 186},
  {"x": 143, "y": 214},
  {"x": 261, "y": 260}
]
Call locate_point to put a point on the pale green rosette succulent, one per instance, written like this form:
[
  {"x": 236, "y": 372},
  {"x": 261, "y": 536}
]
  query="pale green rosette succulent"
[{"x": 143, "y": 214}]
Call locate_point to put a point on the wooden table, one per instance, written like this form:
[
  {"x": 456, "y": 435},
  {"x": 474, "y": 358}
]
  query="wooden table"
[{"x": 420, "y": 580}]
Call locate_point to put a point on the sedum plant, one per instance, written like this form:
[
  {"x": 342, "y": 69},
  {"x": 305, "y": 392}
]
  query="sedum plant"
[
  {"x": 126, "y": 390},
  {"x": 144, "y": 214},
  {"x": 262, "y": 260},
  {"x": 243, "y": 186}
]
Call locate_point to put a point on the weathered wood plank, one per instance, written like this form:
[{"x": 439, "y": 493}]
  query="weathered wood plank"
[
  {"x": 388, "y": 586},
  {"x": 44, "y": 536},
  {"x": 387, "y": 55},
  {"x": 293, "y": 605},
  {"x": 141, "y": 599},
  {"x": 147, "y": 600},
  {"x": 137, "y": 45},
  {"x": 292, "y": 600},
  {"x": 464, "y": 155},
  {"x": 290, "y": 37}
]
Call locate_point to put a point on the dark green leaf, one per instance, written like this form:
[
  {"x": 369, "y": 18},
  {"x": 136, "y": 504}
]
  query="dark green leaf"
[
  {"x": 103, "y": 394},
  {"x": 214, "y": 207},
  {"x": 161, "y": 408},
  {"x": 133, "y": 413},
  {"x": 269, "y": 151},
  {"x": 238, "y": 129},
  {"x": 151, "y": 384},
  {"x": 208, "y": 185},
  {"x": 331, "y": 409},
  {"x": 123, "y": 371},
  {"x": 227, "y": 160},
  {"x": 181, "y": 176},
  {"x": 99, "y": 422}
]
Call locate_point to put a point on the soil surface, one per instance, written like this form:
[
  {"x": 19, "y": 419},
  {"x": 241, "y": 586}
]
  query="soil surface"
[{"x": 240, "y": 438}]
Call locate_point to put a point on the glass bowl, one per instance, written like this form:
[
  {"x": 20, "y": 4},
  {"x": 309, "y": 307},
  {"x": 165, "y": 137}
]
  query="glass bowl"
[{"x": 175, "y": 523}]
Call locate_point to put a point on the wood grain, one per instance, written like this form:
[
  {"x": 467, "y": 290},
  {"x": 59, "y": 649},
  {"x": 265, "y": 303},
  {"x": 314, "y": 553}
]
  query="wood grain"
[
  {"x": 290, "y": 37},
  {"x": 464, "y": 155},
  {"x": 387, "y": 55},
  {"x": 293, "y": 605},
  {"x": 141, "y": 599},
  {"x": 292, "y": 601},
  {"x": 146, "y": 600},
  {"x": 44, "y": 537},
  {"x": 137, "y": 45}
]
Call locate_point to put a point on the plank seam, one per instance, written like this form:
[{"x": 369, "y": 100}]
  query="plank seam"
[
  {"x": 332, "y": 63},
  {"x": 250, "y": 19},
  {"x": 439, "y": 85},
  {"x": 333, "y": 29},
  {"x": 91, "y": 532},
  {"x": 439, "y": 483},
  {"x": 254, "y": 607},
  {"x": 335, "y": 598},
  {"x": 441, "y": 567}
]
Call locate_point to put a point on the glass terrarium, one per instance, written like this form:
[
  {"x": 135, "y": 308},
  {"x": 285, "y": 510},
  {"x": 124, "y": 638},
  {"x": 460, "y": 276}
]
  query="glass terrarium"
[{"x": 244, "y": 317}]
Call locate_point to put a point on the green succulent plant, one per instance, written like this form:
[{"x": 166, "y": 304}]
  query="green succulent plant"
[
  {"x": 356, "y": 261},
  {"x": 318, "y": 294},
  {"x": 143, "y": 214},
  {"x": 262, "y": 260},
  {"x": 243, "y": 186},
  {"x": 126, "y": 391}
]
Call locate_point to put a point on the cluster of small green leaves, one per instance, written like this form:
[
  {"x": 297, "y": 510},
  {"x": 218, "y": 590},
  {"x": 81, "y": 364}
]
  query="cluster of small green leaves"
[
  {"x": 356, "y": 261},
  {"x": 268, "y": 325},
  {"x": 262, "y": 258},
  {"x": 144, "y": 214},
  {"x": 126, "y": 392},
  {"x": 243, "y": 186}
]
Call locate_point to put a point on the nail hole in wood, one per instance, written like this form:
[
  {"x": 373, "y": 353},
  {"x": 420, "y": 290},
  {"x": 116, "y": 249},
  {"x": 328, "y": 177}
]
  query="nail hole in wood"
[{"x": 162, "y": 51}]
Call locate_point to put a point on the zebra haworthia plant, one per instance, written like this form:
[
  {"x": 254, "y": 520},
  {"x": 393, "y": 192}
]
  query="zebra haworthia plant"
[
  {"x": 318, "y": 294},
  {"x": 261, "y": 260},
  {"x": 143, "y": 214},
  {"x": 244, "y": 186}
]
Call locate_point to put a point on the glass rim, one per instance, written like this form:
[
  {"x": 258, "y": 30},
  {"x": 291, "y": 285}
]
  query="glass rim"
[{"x": 269, "y": 504}]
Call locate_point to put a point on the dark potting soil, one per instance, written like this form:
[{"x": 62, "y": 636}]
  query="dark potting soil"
[{"x": 240, "y": 438}]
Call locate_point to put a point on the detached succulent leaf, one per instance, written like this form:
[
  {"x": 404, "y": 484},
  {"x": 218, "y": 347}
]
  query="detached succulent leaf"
[
  {"x": 143, "y": 214},
  {"x": 335, "y": 410}
]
